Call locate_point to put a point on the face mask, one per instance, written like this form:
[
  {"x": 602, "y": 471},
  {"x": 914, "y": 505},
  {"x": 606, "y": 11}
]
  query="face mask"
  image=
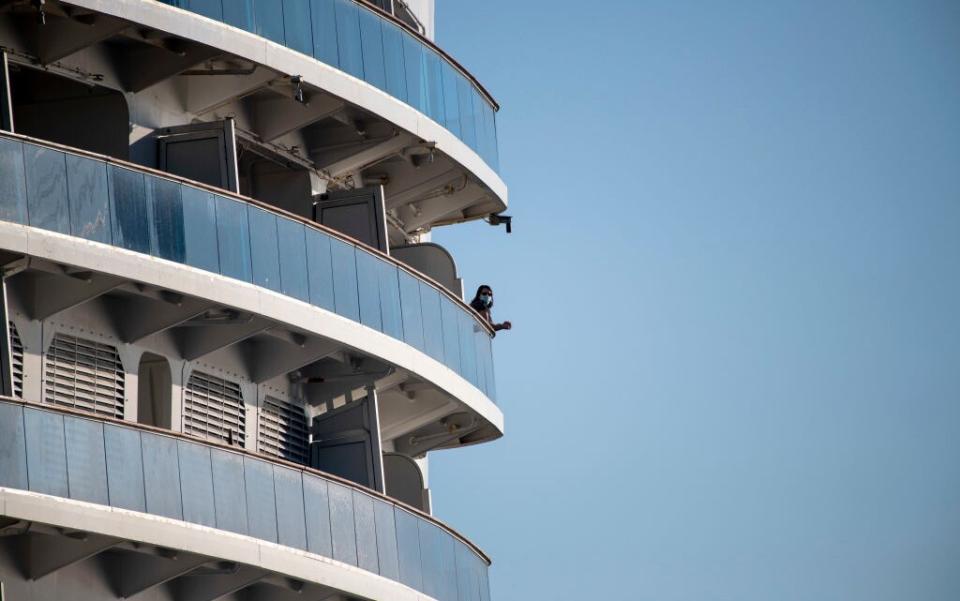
[{"x": 486, "y": 299}]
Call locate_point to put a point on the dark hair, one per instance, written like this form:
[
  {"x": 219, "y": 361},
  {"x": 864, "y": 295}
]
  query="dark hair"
[{"x": 476, "y": 304}]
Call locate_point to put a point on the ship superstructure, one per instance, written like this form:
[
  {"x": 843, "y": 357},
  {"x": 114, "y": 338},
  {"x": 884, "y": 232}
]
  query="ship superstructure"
[{"x": 229, "y": 343}]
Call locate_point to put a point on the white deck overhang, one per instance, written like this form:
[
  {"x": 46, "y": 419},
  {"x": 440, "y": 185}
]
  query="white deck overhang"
[
  {"x": 87, "y": 529},
  {"x": 131, "y": 266}
]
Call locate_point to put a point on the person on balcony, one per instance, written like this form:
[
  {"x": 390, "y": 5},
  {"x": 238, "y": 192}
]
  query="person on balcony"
[{"x": 482, "y": 303}]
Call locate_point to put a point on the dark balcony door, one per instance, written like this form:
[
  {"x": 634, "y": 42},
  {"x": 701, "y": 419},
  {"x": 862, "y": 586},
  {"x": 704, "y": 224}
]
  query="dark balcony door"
[
  {"x": 346, "y": 443},
  {"x": 203, "y": 152},
  {"x": 359, "y": 214}
]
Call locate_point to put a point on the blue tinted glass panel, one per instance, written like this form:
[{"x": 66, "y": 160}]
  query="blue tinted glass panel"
[
  {"x": 366, "y": 532},
  {"x": 239, "y": 13},
  {"x": 296, "y": 25},
  {"x": 324, "y": 22},
  {"x": 467, "y": 118},
  {"x": 168, "y": 235},
  {"x": 431, "y": 559},
  {"x": 291, "y": 525},
  {"x": 393, "y": 61},
  {"x": 408, "y": 549},
  {"x": 264, "y": 248},
  {"x": 369, "y": 288},
  {"x": 412, "y": 62},
  {"x": 491, "y": 380},
  {"x": 434, "y": 85},
  {"x": 207, "y": 8},
  {"x": 448, "y": 566},
  {"x": 129, "y": 209},
  {"x": 468, "y": 581},
  {"x": 410, "y": 310},
  {"x": 345, "y": 279},
  {"x": 451, "y": 105},
  {"x": 485, "y": 584},
  {"x": 46, "y": 188},
  {"x": 317, "y": 516},
  {"x": 86, "y": 460},
  {"x": 451, "y": 334},
  {"x": 386, "y": 539},
  {"x": 293, "y": 259},
  {"x": 483, "y": 362},
  {"x": 390, "y": 299},
  {"x": 46, "y": 452},
  {"x": 13, "y": 447},
  {"x": 371, "y": 40},
  {"x": 480, "y": 124},
  {"x": 348, "y": 37},
  {"x": 341, "y": 523},
  {"x": 432, "y": 328},
  {"x": 261, "y": 503},
  {"x": 13, "y": 182},
  {"x": 268, "y": 17},
  {"x": 468, "y": 347},
  {"x": 161, "y": 478},
  {"x": 494, "y": 159},
  {"x": 124, "y": 468},
  {"x": 89, "y": 198},
  {"x": 320, "y": 269},
  {"x": 200, "y": 229},
  {"x": 233, "y": 239},
  {"x": 196, "y": 479},
  {"x": 229, "y": 492}
]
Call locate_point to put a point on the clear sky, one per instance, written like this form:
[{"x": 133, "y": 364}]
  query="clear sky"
[{"x": 735, "y": 283}]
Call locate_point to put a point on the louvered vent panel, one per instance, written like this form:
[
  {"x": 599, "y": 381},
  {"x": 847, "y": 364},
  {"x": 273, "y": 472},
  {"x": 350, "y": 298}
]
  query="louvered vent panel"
[
  {"x": 213, "y": 409},
  {"x": 16, "y": 349},
  {"x": 84, "y": 374},
  {"x": 283, "y": 431}
]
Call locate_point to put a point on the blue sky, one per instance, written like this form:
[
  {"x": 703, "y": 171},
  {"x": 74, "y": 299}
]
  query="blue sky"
[{"x": 735, "y": 283}]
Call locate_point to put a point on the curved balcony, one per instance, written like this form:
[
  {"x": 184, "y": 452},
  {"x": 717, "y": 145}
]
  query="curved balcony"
[
  {"x": 130, "y": 207},
  {"x": 372, "y": 46},
  {"x": 142, "y": 470}
]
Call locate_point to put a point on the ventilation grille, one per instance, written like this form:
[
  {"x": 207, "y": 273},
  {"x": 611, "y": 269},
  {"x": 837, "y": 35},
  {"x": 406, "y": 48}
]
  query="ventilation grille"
[
  {"x": 213, "y": 409},
  {"x": 83, "y": 374},
  {"x": 283, "y": 431},
  {"x": 16, "y": 350}
]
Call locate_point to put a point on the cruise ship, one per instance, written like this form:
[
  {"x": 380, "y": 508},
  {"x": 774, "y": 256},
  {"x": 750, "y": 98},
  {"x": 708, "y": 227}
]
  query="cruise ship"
[{"x": 230, "y": 346}]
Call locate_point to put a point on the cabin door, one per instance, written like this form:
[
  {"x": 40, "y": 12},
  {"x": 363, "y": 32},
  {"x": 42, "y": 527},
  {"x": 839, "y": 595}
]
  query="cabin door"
[
  {"x": 346, "y": 443},
  {"x": 359, "y": 214},
  {"x": 203, "y": 152}
]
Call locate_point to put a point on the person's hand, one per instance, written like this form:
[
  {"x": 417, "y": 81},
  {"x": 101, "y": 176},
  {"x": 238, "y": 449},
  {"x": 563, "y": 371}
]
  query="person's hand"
[{"x": 507, "y": 325}]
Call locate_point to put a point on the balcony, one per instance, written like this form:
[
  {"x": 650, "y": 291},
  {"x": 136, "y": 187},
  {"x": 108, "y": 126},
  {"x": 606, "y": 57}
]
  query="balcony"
[
  {"x": 298, "y": 127},
  {"x": 109, "y": 202},
  {"x": 374, "y": 47},
  {"x": 105, "y": 474}
]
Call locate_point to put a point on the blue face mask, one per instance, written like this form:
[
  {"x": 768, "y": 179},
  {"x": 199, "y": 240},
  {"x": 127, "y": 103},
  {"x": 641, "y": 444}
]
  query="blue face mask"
[{"x": 486, "y": 299}]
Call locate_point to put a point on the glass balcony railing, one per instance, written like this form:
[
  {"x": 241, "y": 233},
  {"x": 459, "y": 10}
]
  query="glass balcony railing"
[
  {"x": 357, "y": 39},
  {"x": 113, "y": 463},
  {"x": 131, "y": 207}
]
